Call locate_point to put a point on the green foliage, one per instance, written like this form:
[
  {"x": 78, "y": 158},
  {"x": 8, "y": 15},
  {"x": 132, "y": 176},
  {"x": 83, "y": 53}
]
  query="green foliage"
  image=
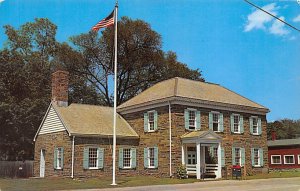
[
  {"x": 181, "y": 172},
  {"x": 284, "y": 129}
]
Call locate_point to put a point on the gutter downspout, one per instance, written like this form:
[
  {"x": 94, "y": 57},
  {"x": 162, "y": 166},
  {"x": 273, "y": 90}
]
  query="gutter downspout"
[
  {"x": 170, "y": 138},
  {"x": 73, "y": 148}
]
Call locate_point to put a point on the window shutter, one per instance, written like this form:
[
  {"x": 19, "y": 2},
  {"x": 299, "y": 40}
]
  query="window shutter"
[
  {"x": 221, "y": 128},
  {"x": 146, "y": 163},
  {"x": 259, "y": 126},
  {"x": 120, "y": 157},
  {"x": 233, "y": 155},
  {"x": 186, "y": 119},
  {"x": 261, "y": 156},
  {"x": 198, "y": 120},
  {"x": 210, "y": 121},
  {"x": 86, "y": 158},
  {"x": 241, "y": 124},
  {"x": 133, "y": 157},
  {"x": 155, "y": 120},
  {"x": 251, "y": 125},
  {"x": 100, "y": 157},
  {"x": 62, "y": 157},
  {"x": 156, "y": 157},
  {"x": 231, "y": 123},
  {"x": 145, "y": 122},
  {"x": 55, "y": 158},
  {"x": 242, "y": 156},
  {"x": 252, "y": 156},
  {"x": 222, "y": 157}
]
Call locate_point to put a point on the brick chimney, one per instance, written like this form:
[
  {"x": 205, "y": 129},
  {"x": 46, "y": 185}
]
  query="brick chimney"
[
  {"x": 273, "y": 134},
  {"x": 60, "y": 85}
]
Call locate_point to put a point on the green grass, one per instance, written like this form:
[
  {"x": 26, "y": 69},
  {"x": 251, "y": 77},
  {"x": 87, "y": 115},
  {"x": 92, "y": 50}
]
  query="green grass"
[
  {"x": 287, "y": 174},
  {"x": 67, "y": 183}
]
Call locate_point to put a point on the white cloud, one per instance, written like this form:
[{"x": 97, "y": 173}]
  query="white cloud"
[
  {"x": 258, "y": 19},
  {"x": 1, "y": 1},
  {"x": 297, "y": 19},
  {"x": 277, "y": 28}
]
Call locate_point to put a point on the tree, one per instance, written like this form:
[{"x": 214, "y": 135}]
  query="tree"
[
  {"x": 141, "y": 60},
  {"x": 284, "y": 129}
]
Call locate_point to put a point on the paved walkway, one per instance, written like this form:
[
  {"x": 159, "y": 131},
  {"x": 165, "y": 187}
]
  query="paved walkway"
[{"x": 275, "y": 184}]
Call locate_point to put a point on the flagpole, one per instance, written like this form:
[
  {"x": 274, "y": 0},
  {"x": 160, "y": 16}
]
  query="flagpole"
[{"x": 115, "y": 99}]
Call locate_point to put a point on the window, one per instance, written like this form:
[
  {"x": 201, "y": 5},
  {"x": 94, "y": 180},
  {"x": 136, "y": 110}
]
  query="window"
[
  {"x": 256, "y": 157},
  {"x": 151, "y": 120},
  {"x": 275, "y": 159},
  {"x": 93, "y": 158},
  {"x": 192, "y": 119},
  {"x": 151, "y": 157},
  {"x": 289, "y": 159},
  {"x": 298, "y": 159},
  {"x": 236, "y": 123},
  {"x": 126, "y": 158},
  {"x": 237, "y": 153},
  {"x": 59, "y": 158},
  {"x": 216, "y": 118},
  {"x": 255, "y": 125}
]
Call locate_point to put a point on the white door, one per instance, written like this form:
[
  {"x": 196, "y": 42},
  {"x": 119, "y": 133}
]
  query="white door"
[
  {"x": 42, "y": 163},
  {"x": 191, "y": 158}
]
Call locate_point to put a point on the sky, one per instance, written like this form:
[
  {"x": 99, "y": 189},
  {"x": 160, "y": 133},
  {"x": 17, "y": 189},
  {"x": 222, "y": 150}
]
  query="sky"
[{"x": 232, "y": 43}]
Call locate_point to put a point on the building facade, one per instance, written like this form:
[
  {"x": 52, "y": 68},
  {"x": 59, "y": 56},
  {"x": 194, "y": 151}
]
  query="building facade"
[{"x": 203, "y": 126}]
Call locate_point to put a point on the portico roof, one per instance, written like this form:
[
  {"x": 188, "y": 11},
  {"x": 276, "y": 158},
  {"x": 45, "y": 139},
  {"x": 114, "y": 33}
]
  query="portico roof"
[{"x": 205, "y": 135}]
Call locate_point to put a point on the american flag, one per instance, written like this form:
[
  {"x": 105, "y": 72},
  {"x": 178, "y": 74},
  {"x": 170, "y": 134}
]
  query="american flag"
[{"x": 108, "y": 21}]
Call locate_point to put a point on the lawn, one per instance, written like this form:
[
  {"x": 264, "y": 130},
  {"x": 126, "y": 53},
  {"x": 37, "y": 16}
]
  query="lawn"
[
  {"x": 34, "y": 184},
  {"x": 67, "y": 183}
]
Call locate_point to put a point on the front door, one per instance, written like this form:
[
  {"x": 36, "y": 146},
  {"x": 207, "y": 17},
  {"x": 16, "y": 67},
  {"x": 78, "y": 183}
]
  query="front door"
[
  {"x": 191, "y": 156},
  {"x": 42, "y": 163}
]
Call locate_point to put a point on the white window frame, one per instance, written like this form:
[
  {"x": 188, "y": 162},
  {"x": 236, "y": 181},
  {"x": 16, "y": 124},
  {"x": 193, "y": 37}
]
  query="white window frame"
[
  {"x": 239, "y": 123},
  {"x": 289, "y": 156},
  {"x": 215, "y": 113},
  {"x": 258, "y": 157},
  {"x": 195, "y": 119},
  {"x": 97, "y": 165},
  {"x": 240, "y": 155},
  {"x": 298, "y": 159},
  {"x": 127, "y": 167},
  {"x": 59, "y": 158},
  {"x": 255, "y": 117},
  {"x": 152, "y": 113},
  {"x": 272, "y": 162},
  {"x": 149, "y": 157}
]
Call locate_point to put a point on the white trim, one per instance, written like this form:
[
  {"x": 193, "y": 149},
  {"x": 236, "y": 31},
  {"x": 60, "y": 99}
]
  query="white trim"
[
  {"x": 258, "y": 157},
  {"x": 239, "y": 125},
  {"x": 127, "y": 167},
  {"x": 287, "y": 156},
  {"x": 44, "y": 118},
  {"x": 276, "y": 156},
  {"x": 195, "y": 119},
  {"x": 149, "y": 162},
  {"x": 148, "y": 122},
  {"x": 59, "y": 162},
  {"x": 97, "y": 165},
  {"x": 73, "y": 151},
  {"x": 218, "y": 113},
  {"x": 298, "y": 159},
  {"x": 255, "y": 117},
  {"x": 170, "y": 139}
]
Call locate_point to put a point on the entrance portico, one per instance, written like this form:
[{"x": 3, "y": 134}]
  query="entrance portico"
[{"x": 201, "y": 153}]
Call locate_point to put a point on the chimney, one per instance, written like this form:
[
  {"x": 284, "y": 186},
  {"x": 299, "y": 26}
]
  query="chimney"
[
  {"x": 273, "y": 135},
  {"x": 60, "y": 85}
]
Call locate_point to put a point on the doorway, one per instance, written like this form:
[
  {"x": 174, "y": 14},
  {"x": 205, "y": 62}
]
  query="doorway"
[{"x": 42, "y": 164}]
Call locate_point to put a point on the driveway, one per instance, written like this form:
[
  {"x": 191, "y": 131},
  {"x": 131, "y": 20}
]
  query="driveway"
[{"x": 275, "y": 184}]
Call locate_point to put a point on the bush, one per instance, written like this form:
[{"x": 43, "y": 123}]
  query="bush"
[{"x": 181, "y": 172}]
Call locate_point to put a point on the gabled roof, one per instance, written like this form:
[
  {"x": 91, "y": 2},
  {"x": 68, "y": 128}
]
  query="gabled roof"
[
  {"x": 192, "y": 90},
  {"x": 283, "y": 142},
  {"x": 201, "y": 135},
  {"x": 91, "y": 120}
]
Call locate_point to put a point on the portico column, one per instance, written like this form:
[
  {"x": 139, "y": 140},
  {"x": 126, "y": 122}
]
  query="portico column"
[
  {"x": 183, "y": 154},
  {"x": 219, "y": 173},
  {"x": 198, "y": 165}
]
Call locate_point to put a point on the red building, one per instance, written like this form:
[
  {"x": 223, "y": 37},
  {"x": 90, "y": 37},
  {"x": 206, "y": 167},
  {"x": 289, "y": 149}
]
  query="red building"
[{"x": 284, "y": 154}]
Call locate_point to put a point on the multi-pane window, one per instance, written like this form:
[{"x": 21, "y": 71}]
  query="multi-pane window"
[
  {"x": 151, "y": 121},
  {"x": 289, "y": 159},
  {"x": 255, "y": 125},
  {"x": 192, "y": 119},
  {"x": 216, "y": 120},
  {"x": 256, "y": 157},
  {"x": 236, "y": 123},
  {"x": 59, "y": 158},
  {"x": 93, "y": 157},
  {"x": 275, "y": 159},
  {"x": 151, "y": 157},
  {"x": 215, "y": 153},
  {"x": 237, "y": 153},
  {"x": 126, "y": 158}
]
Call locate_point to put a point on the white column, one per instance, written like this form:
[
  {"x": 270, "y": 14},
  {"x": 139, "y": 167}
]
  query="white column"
[
  {"x": 198, "y": 165},
  {"x": 182, "y": 154},
  {"x": 219, "y": 172}
]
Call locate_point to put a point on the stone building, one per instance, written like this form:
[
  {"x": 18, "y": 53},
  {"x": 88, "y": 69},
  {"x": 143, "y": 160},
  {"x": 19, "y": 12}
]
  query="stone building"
[{"x": 204, "y": 126}]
